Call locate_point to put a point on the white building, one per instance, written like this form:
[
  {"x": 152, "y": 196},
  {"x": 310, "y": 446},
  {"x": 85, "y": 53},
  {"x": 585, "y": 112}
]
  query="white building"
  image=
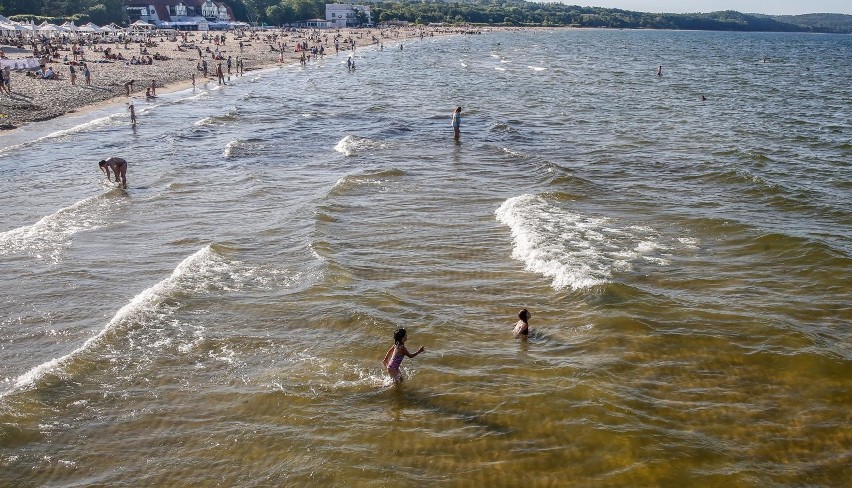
[{"x": 343, "y": 14}]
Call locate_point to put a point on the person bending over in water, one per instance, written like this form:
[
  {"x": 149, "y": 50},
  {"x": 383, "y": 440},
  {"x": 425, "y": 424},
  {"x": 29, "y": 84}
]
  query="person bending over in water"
[
  {"x": 398, "y": 352},
  {"x": 522, "y": 328},
  {"x": 118, "y": 167}
]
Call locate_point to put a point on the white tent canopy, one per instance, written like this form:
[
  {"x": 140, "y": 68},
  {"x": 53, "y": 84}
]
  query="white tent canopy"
[
  {"x": 90, "y": 27},
  {"x": 16, "y": 27},
  {"x": 51, "y": 28}
]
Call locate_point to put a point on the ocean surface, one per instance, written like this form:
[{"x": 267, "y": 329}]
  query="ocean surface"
[{"x": 688, "y": 266}]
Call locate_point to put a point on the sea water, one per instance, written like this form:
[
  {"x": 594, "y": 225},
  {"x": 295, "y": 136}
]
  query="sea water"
[{"x": 222, "y": 322}]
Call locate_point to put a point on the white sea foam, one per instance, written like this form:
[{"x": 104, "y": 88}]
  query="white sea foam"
[
  {"x": 205, "y": 271},
  {"x": 143, "y": 109},
  {"x": 201, "y": 95},
  {"x": 91, "y": 125},
  {"x": 536, "y": 68},
  {"x": 47, "y": 237},
  {"x": 352, "y": 145},
  {"x": 233, "y": 148},
  {"x": 88, "y": 126},
  {"x": 140, "y": 302},
  {"x": 512, "y": 152},
  {"x": 333, "y": 375},
  {"x": 576, "y": 251}
]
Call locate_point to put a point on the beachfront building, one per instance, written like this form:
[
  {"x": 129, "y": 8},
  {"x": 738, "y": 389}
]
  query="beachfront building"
[
  {"x": 179, "y": 13},
  {"x": 312, "y": 24},
  {"x": 346, "y": 14}
]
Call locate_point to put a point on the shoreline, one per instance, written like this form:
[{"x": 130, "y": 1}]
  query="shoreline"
[{"x": 37, "y": 100}]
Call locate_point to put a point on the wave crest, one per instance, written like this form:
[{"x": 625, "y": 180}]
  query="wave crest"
[
  {"x": 51, "y": 233},
  {"x": 353, "y": 145},
  {"x": 576, "y": 251}
]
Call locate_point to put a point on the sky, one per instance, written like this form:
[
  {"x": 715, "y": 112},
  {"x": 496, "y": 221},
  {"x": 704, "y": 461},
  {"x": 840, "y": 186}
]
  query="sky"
[{"x": 775, "y": 7}]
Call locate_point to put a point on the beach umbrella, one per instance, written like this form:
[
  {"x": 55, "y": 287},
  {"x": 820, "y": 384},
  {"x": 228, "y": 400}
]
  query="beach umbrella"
[{"x": 70, "y": 26}]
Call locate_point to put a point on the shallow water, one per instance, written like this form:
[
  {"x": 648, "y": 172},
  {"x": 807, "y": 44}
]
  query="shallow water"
[{"x": 222, "y": 322}]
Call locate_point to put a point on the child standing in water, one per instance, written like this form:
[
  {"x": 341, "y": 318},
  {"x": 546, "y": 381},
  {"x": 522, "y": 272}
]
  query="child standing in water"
[
  {"x": 522, "y": 328},
  {"x": 395, "y": 355}
]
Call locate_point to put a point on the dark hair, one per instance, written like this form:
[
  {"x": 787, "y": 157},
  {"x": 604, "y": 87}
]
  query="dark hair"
[
  {"x": 102, "y": 163},
  {"x": 458, "y": 109},
  {"x": 399, "y": 335},
  {"x": 524, "y": 315}
]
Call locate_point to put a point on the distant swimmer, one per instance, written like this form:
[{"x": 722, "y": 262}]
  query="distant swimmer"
[
  {"x": 398, "y": 352},
  {"x": 660, "y": 71},
  {"x": 118, "y": 167},
  {"x": 703, "y": 98},
  {"x": 522, "y": 328},
  {"x": 457, "y": 123}
]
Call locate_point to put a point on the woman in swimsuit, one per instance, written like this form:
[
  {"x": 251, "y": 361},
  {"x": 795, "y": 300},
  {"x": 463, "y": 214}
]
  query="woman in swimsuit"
[{"x": 396, "y": 354}]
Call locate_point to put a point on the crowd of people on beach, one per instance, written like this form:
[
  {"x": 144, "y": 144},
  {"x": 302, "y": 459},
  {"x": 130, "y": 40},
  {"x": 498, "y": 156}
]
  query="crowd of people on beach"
[{"x": 109, "y": 61}]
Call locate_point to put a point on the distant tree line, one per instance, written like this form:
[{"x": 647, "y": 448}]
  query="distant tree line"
[
  {"x": 828, "y": 23},
  {"x": 100, "y": 12},
  {"x": 485, "y": 12}
]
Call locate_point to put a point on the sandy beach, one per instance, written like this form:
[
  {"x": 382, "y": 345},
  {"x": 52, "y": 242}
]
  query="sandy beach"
[{"x": 33, "y": 99}]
